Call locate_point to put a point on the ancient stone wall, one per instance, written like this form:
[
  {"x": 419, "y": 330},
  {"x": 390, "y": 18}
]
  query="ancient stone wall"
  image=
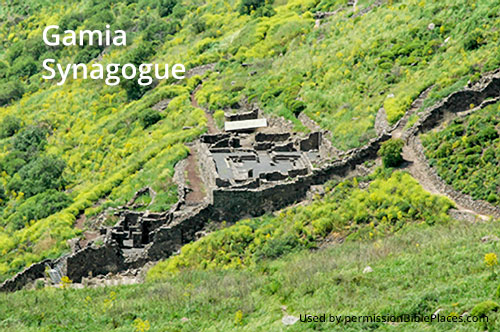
[
  {"x": 94, "y": 261},
  {"x": 460, "y": 101},
  {"x": 24, "y": 277},
  {"x": 253, "y": 114},
  {"x": 168, "y": 239}
]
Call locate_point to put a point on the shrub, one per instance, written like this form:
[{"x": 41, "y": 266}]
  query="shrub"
[
  {"x": 297, "y": 106},
  {"x": 266, "y": 11},
  {"x": 39, "y": 175},
  {"x": 86, "y": 55},
  {"x": 31, "y": 139},
  {"x": 9, "y": 126},
  {"x": 23, "y": 67},
  {"x": 474, "y": 40},
  {"x": 391, "y": 151},
  {"x": 38, "y": 207},
  {"x": 484, "y": 309},
  {"x": 247, "y": 6},
  {"x": 166, "y": 7},
  {"x": 13, "y": 162},
  {"x": 149, "y": 117},
  {"x": 198, "y": 25},
  {"x": 157, "y": 31},
  {"x": 3, "y": 195},
  {"x": 9, "y": 91},
  {"x": 137, "y": 56},
  {"x": 219, "y": 118}
]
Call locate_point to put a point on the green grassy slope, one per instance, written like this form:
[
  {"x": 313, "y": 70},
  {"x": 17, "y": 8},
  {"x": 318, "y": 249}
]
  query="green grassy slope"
[{"x": 417, "y": 271}]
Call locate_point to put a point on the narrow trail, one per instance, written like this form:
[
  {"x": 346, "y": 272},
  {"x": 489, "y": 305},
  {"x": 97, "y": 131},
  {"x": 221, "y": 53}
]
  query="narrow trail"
[
  {"x": 197, "y": 193},
  {"x": 417, "y": 164},
  {"x": 423, "y": 173}
]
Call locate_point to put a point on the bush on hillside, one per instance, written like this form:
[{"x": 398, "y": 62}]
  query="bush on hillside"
[
  {"x": 166, "y": 7},
  {"x": 484, "y": 309},
  {"x": 39, "y": 175},
  {"x": 137, "y": 56},
  {"x": 13, "y": 162},
  {"x": 31, "y": 139},
  {"x": 248, "y": 6},
  {"x": 149, "y": 117},
  {"x": 9, "y": 126},
  {"x": 10, "y": 91},
  {"x": 391, "y": 152},
  {"x": 24, "y": 66}
]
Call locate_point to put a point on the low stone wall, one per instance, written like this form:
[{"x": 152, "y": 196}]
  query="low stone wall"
[
  {"x": 170, "y": 238},
  {"x": 95, "y": 261},
  {"x": 353, "y": 158},
  {"x": 460, "y": 101},
  {"x": 24, "y": 277}
]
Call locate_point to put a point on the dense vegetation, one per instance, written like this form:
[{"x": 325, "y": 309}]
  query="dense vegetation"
[
  {"x": 66, "y": 148},
  {"x": 466, "y": 154}
]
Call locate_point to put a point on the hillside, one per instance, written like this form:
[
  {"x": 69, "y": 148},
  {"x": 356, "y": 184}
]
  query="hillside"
[
  {"x": 382, "y": 134},
  {"x": 417, "y": 271}
]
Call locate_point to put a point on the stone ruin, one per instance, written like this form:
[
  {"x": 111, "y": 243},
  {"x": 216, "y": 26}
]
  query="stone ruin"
[
  {"x": 251, "y": 160},
  {"x": 245, "y": 174}
]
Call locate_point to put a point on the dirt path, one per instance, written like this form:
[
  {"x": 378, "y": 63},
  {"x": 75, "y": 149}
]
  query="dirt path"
[
  {"x": 87, "y": 235},
  {"x": 425, "y": 175},
  {"x": 194, "y": 181},
  {"x": 418, "y": 166},
  {"x": 196, "y": 192}
]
